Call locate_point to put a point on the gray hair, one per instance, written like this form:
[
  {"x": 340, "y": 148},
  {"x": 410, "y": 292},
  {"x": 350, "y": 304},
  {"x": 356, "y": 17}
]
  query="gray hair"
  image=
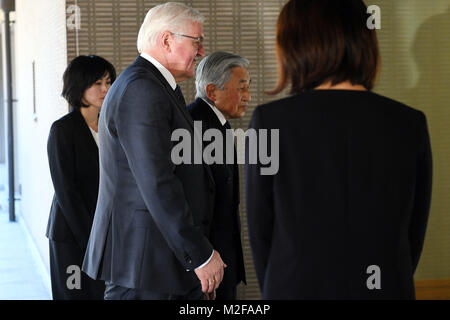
[
  {"x": 170, "y": 16},
  {"x": 216, "y": 69}
]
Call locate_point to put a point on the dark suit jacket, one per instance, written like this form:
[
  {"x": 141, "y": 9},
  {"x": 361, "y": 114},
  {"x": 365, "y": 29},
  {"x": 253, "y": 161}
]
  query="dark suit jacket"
[
  {"x": 353, "y": 190},
  {"x": 73, "y": 160},
  {"x": 225, "y": 229},
  {"x": 153, "y": 217}
]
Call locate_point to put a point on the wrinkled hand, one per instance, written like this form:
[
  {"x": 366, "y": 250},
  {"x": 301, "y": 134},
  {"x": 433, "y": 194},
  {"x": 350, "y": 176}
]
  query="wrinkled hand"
[{"x": 211, "y": 275}]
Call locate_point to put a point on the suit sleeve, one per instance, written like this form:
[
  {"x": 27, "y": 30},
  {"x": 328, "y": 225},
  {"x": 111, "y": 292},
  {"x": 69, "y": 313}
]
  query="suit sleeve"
[
  {"x": 144, "y": 131},
  {"x": 260, "y": 210},
  {"x": 62, "y": 169},
  {"x": 423, "y": 189}
]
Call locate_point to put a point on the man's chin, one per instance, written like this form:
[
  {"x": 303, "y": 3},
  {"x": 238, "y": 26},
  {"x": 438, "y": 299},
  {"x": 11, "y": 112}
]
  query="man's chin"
[
  {"x": 184, "y": 76},
  {"x": 238, "y": 115},
  {"x": 241, "y": 112}
]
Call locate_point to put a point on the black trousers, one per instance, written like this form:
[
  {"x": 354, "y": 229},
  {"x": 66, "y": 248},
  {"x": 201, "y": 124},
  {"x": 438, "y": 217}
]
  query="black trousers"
[
  {"x": 226, "y": 293},
  {"x": 115, "y": 292},
  {"x": 68, "y": 281},
  {"x": 228, "y": 288}
]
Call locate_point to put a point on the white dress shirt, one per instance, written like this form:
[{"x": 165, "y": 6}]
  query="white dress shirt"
[
  {"x": 217, "y": 112},
  {"x": 94, "y": 135},
  {"x": 166, "y": 73}
]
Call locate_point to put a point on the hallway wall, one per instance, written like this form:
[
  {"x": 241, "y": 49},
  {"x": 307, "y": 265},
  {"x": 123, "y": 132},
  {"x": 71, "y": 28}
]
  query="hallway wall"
[
  {"x": 40, "y": 37},
  {"x": 415, "y": 69}
]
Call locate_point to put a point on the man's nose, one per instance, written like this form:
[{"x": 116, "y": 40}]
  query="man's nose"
[
  {"x": 201, "y": 50},
  {"x": 247, "y": 96}
]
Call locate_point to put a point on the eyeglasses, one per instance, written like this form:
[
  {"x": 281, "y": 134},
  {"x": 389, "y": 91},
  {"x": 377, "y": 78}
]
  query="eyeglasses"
[{"x": 198, "y": 40}]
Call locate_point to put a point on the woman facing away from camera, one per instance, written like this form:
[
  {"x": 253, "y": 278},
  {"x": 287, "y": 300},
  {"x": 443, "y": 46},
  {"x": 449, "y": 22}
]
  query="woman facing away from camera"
[
  {"x": 74, "y": 167},
  {"x": 345, "y": 216}
]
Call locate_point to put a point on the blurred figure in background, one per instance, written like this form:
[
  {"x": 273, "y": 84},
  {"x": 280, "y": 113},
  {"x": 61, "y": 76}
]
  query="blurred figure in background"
[
  {"x": 346, "y": 214},
  {"x": 74, "y": 167}
]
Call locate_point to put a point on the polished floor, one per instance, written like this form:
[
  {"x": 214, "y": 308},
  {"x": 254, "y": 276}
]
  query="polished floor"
[{"x": 22, "y": 274}]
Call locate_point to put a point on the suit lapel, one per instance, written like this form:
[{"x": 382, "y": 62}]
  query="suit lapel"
[
  {"x": 205, "y": 126},
  {"x": 233, "y": 168},
  {"x": 85, "y": 133},
  {"x": 213, "y": 121},
  {"x": 173, "y": 96}
]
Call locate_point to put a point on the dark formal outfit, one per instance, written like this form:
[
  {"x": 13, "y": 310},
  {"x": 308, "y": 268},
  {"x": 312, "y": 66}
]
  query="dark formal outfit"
[
  {"x": 74, "y": 168},
  {"x": 225, "y": 233},
  {"x": 153, "y": 217},
  {"x": 352, "y": 191}
]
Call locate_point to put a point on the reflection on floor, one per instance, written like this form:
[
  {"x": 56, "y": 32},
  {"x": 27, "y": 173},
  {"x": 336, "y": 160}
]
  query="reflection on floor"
[{"x": 21, "y": 277}]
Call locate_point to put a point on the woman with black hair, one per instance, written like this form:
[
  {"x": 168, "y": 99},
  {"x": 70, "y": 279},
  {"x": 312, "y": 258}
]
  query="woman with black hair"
[{"x": 74, "y": 167}]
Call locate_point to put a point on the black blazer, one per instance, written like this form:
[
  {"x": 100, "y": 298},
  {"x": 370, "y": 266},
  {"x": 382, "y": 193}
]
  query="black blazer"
[
  {"x": 225, "y": 233},
  {"x": 152, "y": 220},
  {"x": 73, "y": 160},
  {"x": 353, "y": 190}
]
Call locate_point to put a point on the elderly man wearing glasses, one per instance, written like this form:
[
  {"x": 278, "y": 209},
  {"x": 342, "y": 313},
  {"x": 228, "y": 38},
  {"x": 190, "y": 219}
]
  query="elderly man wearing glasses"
[{"x": 149, "y": 236}]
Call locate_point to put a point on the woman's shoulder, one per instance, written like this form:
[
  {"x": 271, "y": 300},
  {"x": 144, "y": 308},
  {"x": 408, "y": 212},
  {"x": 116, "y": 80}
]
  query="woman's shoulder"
[
  {"x": 277, "y": 111},
  {"x": 394, "y": 104},
  {"x": 302, "y": 99},
  {"x": 283, "y": 103},
  {"x": 66, "y": 125},
  {"x": 67, "y": 120},
  {"x": 336, "y": 98}
]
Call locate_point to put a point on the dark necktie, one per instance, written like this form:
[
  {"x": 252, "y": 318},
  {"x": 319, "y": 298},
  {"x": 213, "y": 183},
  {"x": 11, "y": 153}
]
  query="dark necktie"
[
  {"x": 179, "y": 95},
  {"x": 227, "y": 125}
]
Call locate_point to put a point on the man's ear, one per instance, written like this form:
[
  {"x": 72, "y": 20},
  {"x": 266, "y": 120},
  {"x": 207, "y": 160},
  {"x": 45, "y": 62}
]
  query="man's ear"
[
  {"x": 166, "y": 40},
  {"x": 211, "y": 92}
]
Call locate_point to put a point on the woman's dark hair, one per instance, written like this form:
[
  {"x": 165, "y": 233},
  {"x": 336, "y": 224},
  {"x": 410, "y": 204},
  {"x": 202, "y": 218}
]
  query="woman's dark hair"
[
  {"x": 325, "y": 40},
  {"x": 81, "y": 73}
]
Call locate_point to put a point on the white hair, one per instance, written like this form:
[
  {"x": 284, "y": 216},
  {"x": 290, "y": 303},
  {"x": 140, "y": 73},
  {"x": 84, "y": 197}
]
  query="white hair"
[
  {"x": 216, "y": 69},
  {"x": 170, "y": 16}
]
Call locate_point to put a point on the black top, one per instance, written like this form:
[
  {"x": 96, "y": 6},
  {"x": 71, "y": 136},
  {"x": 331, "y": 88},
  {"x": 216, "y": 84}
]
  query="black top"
[
  {"x": 353, "y": 190},
  {"x": 73, "y": 160}
]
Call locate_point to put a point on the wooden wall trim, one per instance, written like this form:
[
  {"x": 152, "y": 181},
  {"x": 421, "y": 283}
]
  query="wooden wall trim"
[{"x": 438, "y": 289}]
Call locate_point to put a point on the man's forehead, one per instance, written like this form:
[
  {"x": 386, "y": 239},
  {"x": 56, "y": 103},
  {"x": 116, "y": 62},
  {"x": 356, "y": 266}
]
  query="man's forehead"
[
  {"x": 241, "y": 73},
  {"x": 195, "y": 26}
]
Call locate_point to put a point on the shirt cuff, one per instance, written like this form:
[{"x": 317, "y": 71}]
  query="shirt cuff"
[{"x": 206, "y": 262}]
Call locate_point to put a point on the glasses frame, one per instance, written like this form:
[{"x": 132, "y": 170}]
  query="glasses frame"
[{"x": 198, "y": 39}]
